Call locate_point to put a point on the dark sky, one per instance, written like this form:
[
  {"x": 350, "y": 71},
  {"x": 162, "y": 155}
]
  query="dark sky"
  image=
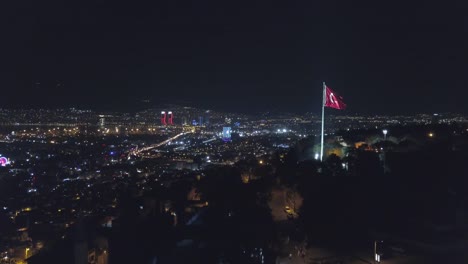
[{"x": 381, "y": 56}]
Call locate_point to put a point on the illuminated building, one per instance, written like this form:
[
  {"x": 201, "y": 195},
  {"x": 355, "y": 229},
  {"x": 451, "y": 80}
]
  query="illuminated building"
[
  {"x": 226, "y": 134},
  {"x": 170, "y": 118},
  {"x": 102, "y": 121},
  {"x": 163, "y": 118}
]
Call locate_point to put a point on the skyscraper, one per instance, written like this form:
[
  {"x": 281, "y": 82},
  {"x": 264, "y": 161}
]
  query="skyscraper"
[
  {"x": 163, "y": 118},
  {"x": 170, "y": 118}
]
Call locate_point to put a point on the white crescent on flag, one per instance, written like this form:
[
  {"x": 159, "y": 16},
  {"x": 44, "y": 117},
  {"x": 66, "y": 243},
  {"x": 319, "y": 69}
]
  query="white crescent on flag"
[{"x": 332, "y": 100}]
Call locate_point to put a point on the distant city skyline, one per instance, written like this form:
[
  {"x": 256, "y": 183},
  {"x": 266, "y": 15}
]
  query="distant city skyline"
[{"x": 136, "y": 105}]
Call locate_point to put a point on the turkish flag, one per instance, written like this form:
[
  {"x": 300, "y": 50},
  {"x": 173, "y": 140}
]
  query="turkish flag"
[{"x": 333, "y": 100}]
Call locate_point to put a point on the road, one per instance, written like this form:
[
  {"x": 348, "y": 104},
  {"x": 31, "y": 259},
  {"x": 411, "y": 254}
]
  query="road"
[{"x": 138, "y": 151}]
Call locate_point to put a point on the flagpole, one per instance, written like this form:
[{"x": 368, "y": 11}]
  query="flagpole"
[{"x": 323, "y": 121}]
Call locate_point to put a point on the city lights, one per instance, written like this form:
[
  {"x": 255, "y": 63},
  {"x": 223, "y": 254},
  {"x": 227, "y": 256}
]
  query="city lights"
[{"x": 90, "y": 166}]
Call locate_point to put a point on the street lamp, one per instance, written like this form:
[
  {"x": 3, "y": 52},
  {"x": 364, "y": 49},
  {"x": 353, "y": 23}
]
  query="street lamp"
[
  {"x": 385, "y": 131},
  {"x": 377, "y": 253}
]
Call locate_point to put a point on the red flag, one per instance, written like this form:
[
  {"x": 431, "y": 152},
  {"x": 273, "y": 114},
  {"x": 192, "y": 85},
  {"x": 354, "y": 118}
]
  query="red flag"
[{"x": 333, "y": 100}]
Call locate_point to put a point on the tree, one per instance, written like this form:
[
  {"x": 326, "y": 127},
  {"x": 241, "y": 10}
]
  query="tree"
[
  {"x": 334, "y": 165},
  {"x": 238, "y": 215}
]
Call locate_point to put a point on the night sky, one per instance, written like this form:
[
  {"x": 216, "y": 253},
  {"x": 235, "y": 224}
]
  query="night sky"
[{"x": 381, "y": 56}]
